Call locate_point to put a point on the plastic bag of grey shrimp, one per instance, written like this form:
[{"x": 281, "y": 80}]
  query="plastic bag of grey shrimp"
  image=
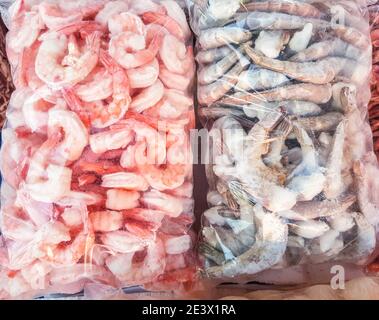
[
  {"x": 96, "y": 164},
  {"x": 283, "y": 88}
]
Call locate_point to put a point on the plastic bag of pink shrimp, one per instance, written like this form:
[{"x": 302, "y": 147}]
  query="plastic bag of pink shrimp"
[
  {"x": 96, "y": 164},
  {"x": 283, "y": 88}
]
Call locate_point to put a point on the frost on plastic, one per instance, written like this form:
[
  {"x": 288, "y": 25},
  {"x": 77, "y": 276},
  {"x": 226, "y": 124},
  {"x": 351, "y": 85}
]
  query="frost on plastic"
[
  {"x": 288, "y": 83},
  {"x": 97, "y": 177}
]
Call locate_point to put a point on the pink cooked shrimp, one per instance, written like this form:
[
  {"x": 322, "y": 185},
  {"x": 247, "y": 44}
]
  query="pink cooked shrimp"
[
  {"x": 53, "y": 49},
  {"x": 125, "y": 180},
  {"x": 110, "y": 140},
  {"x": 110, "y": 9},
  {"x": 146, "y": 271},
  {"x": 167, "y": 22},
  {"x": 148, "y": 97},
  {"x": 54, "y": 17},
  {"x": 164, "y": 202},
  {"x": 126, "y": 21},
  {"x": 124, "y": 241},
  {"x": 106, "y": 221},
  {"x": 129, "y": 49},
  {"x": 118, "y": 199},
  {"x": 144, "y": 76},
  {"x": 98, "y": 86},
  {"x": 175, "y": 56},
  {"x": 173, "y": 80}
]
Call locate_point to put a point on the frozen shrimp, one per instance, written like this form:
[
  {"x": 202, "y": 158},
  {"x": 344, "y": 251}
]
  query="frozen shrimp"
[
  {"x": 322, "y": 49},
  {"x": 214, "y": 71},
  {"x": 175, "y": 12},
  {"x": 166, "y": 21},
  {"x": 169, "y": 204},
  {"x": 144, "y": 76},
  {"x": 213, "y": 55},
  {"x": 125, "y": 180},
  {"x": 118, "y": 199},
  {"x": 99, "y": 86},
  {"x": 54, "y": 17},
  {"x": 320, "y": 72},
  {"x": 26, "y": 31},
  {"x": 218, "y": 37},
  {"x": 216, "y": 90},
  {"x": 52, "y": 50},
  {"x": 173, "y": 80},
  {"x": 174, "y": 54},
  {"x": 324, "y": 122},
  {"x": 110, "y": 9},
  {"x": 168, "y": 177},
  {"x": 148, "y": 97},
  {"x": 318, "y": 94},
  {"x": 124, "y": 241},
  {"x": 110, "y": 140},
  {"x": 126, "y": 21},
  {"x": 75, "y": 137},
  {"x": 105, "y": 116},
  {"x": 129, "y": 49},
  {"x": 106, "y": 221},
  {"x": 293, "y": 8}
]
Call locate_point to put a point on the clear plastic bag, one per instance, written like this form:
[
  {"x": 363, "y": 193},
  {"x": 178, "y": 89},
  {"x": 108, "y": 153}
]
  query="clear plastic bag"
[
  {"x": 96, "y": 164},
  {"x": 283, "y": 88}
]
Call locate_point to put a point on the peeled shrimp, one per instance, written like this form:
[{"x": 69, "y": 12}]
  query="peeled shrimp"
[
  {"x": 52, "y": 50},
  {"x": 98, "y": 88},
  {"x": 118, "y": 199},
  {"x": 106, "y": 221},
  {"x": 144, "y": 76},
  {"x": 125, "y": 180},
  {"x": 110, "y": 140},
  {"x": 110, "y": 9},
  {"x": 75, "y": 137},
  {"x": 129, "y": 49},
  {"x": 126, "y": 21},
  {"x": 174, "y": 54}
]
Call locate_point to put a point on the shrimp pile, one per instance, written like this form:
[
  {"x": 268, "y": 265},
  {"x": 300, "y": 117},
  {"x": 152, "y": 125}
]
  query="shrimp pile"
[
  {"x": 374, "y": 103},
  {"x": 97, "y": 177},
  {"x": 283, "y": 89}
]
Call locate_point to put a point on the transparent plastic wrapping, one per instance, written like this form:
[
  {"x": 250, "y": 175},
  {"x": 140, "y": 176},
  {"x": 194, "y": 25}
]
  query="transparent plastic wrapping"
[
  {"x": 283, "y": 88},
  {"x": 96, "y": 161}
]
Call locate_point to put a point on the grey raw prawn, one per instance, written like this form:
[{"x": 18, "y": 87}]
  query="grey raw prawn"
[
  {"x": 318, "y": 94},
  {"x": 279, "y": 21},
  {"x": 289, "y": 107},
  {"x": 210, "y": 93},
  {"x": 363, "y": 243},
  {"x": 323, "y": 49},
  {"x": 325, "y": 122},
  {"x": 289, "y": 7},
  {"x": 218, "y": 37},
  {"x": 319, "y": 72},
  {"x": 212, "y": 72},
  {"x": 268, "y": 249},
  {"x": 254, "y": 181},
  {"x": 213, "y": 55},
  {"x": 314, "y": 209},
  {"x": 307, "y": 179},
  {"x": 256, "y": 79}
]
